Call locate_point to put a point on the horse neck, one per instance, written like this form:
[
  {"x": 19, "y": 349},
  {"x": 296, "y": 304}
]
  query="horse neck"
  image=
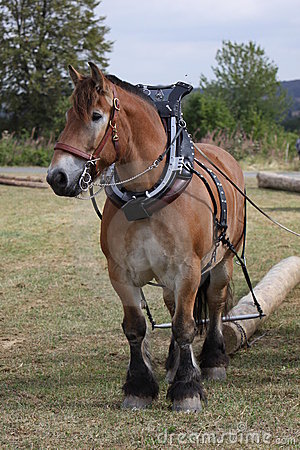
[{"x": 145, "y": 141}]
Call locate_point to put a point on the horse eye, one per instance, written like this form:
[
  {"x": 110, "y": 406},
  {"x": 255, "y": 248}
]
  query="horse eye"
[{"x": 96, "y": 116}]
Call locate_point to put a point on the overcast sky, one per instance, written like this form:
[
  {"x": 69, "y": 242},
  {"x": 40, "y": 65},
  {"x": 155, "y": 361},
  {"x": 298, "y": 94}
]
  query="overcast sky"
[{"x": 164, "y": 41}]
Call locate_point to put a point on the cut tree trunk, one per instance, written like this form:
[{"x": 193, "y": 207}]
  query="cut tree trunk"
[
  {"x": 270, "y": 293},
  {"x": 280, "y": 182},
  {"x": 31, "y": 182}
]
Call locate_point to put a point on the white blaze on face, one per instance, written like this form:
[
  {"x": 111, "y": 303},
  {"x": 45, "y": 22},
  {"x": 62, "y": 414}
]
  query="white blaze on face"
[{"x": 70, "y": 164}]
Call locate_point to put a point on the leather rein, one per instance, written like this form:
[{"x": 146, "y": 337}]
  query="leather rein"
[{"x": 111, "y": 131}]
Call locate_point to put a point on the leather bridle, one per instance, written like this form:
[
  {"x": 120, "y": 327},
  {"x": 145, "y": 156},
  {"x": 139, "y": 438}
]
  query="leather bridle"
[{"x": 111, "y": 131}]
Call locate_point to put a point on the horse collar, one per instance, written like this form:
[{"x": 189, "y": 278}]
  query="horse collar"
[{"x": 180, "y": 155}]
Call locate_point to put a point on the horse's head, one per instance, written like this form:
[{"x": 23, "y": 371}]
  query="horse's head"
[{"x": 90, "y": 130}]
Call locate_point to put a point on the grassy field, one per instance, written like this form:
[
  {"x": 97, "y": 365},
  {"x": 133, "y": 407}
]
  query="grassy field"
[{"x": 63, "y": 355}]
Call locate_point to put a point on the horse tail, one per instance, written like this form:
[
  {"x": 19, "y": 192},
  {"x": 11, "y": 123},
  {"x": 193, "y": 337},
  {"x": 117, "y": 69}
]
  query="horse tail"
[{"x": 200, "y": 305}]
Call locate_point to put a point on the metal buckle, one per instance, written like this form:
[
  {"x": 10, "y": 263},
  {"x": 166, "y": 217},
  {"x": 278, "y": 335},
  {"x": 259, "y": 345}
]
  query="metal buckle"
[
  {"x": 115, "y": 136},
  {"x": 177, "y": 163}
]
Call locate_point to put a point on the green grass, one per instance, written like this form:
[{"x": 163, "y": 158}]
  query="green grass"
[{"x": 63, "y": 355}]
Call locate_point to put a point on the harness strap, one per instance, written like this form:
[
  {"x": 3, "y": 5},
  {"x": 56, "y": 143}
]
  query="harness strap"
[
  {"x": 221, "y": 193},
  {"x": 244, "y": 195},
  {"x": 94, "y": 202},
  {"x": 226, "y": 241},
  {"x": 244, "y": 230},
  {"x": 145, "y": 305},
  {"x": 220, "y": 225},
  {"x": 223, "y": 227},
  {"x": 204, "y": 180},
  {"x": 111, "y": 130}
]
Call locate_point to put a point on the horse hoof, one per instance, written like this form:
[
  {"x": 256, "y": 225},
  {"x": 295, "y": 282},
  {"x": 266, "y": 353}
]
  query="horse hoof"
[
  {"x": 214, "y": 373},
  {"x": 188, "y": 405},
  {"x": 133, "y": 402}
]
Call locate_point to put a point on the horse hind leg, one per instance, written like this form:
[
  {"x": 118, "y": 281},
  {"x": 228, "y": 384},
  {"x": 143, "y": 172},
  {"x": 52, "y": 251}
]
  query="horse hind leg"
[
  {"x": 213, "y": 358},
  {"x": 140, "y": 387}
]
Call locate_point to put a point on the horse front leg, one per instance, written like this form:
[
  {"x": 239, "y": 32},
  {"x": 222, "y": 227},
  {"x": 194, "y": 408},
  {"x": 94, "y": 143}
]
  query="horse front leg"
[
  {"x": 186, "y": 390},
  {"x": 140, "y": 387},
  {"x": 172, "y": 361},
  {"x": 213, "y": 358}
]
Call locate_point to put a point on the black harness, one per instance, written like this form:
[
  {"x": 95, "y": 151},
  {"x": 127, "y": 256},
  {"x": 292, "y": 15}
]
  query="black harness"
[{"x": 179, "y": 155}]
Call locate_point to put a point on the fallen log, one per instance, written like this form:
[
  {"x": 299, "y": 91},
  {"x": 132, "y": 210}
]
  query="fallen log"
[
  {"x": 280, "y": 182},
  {"x": 22, "y": 178},
  {"x": 23, "y": 182},
  {"x": 270, "y": 293}
]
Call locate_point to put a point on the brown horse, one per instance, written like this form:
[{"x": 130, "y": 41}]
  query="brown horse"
[{"x": 171, "y": 247}]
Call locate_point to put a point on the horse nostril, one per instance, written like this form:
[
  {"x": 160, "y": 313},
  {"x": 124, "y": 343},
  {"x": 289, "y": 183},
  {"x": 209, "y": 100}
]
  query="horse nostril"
[
  {"x": 61, "y": 179},
  {"x": 57, "y": 179}
]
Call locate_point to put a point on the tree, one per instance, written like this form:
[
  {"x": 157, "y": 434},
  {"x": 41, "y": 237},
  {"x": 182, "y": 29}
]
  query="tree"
[
  {"x": 205, "y": 113},
  {"x": 39, "y": 39},
  {"x": 247, "y": 81}
]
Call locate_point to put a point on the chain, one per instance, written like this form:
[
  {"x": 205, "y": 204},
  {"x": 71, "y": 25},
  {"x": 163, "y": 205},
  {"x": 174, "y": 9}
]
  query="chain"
[
  {"x": 90, "y": 197},
  {"x": 86, "y": 182},
  {"x": 244, "y": 339},
  {"x": 116, "y": 183}
]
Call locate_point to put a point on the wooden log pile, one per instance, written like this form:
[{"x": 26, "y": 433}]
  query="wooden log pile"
[
  {"x": 280, "y": 182},
  {"x": 32, "y": 182},
  {"x": 270, "y": 293}
]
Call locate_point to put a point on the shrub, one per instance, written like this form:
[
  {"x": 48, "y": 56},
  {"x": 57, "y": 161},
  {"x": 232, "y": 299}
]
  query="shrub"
[
  {"x": 25, "y": 150},
  {"x": 273, "y": 145}
]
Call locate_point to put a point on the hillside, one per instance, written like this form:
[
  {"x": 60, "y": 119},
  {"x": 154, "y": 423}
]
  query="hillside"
[{"x": 293, "y": 88}]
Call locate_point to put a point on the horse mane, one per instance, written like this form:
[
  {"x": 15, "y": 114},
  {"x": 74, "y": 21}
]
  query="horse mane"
[
  {"x": 130, "y": 88},
  {"x": 85, "y": 94}
]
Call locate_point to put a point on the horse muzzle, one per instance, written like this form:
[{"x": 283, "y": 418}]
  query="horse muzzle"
[{"x": 62, "y": 184}]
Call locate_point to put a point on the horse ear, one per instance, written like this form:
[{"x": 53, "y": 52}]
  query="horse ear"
[
  {"x": 97, "y": 76},
  {"x": 76, "y": 76}
]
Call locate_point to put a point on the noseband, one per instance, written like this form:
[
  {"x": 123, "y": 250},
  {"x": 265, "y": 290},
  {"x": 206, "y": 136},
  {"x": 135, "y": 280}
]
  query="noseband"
[{"x": 111, "y": 131}]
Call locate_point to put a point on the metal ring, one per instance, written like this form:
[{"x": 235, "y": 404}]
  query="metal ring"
[
  {"x": 146, "y": 91},
  {"x": 85, "y": 179},
  {"x": 116, "y": 103}
]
